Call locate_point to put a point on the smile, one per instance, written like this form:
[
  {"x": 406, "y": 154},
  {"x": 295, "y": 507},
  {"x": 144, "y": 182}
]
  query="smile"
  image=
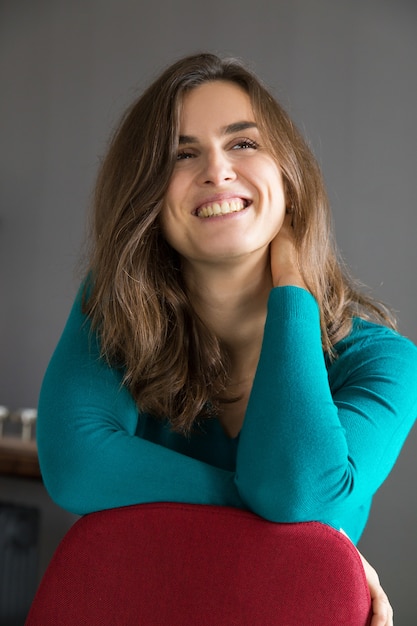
[{"x": 222, "y": 208}]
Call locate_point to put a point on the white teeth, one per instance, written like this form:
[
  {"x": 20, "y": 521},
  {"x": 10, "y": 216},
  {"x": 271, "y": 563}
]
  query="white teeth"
[{"x": 221, "y": 209}]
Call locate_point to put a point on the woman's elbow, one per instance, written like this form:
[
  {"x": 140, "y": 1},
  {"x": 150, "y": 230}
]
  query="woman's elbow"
[
  {"x": 275, "y": 505},
  {"x": 65, "y": 487}
]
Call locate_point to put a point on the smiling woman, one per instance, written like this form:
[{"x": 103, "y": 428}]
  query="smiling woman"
[{"x": 217, "y": 352}]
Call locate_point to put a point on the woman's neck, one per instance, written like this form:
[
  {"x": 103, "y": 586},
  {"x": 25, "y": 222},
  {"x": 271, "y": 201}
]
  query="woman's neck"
[{"x": 231, "y": 299}]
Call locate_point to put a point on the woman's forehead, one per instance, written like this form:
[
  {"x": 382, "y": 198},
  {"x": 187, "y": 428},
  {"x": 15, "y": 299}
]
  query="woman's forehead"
[{"x": 216, "y": 105}]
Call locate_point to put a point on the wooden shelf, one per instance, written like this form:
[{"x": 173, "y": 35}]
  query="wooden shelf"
[{"x": 19, "y": 458}]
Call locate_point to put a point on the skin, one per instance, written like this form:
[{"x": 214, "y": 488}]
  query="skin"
[
  {"x": 230, "y": 262},
  {"x": 221, "y": 158}
]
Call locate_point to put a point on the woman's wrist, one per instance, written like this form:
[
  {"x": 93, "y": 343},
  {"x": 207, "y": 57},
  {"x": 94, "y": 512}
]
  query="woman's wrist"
[{"x": 289, "y": 279}]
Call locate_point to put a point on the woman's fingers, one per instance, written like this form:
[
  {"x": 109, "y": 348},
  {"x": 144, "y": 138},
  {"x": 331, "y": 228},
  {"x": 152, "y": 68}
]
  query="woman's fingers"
[
  {"x": 284, "y": 257},
  {"x": 381, "y": 607}
]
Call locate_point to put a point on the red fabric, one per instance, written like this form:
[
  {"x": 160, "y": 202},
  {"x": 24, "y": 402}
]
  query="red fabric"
[{"x": 192, "y": 565}]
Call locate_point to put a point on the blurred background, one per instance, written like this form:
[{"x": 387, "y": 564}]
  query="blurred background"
[{"x": 346, "y": 70}]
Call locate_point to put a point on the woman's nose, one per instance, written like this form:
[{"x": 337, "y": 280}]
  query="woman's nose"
[{"x": 217, "y": 169}]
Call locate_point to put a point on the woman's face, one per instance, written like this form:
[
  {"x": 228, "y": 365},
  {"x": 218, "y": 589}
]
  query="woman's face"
[{"x": 226, "y": 196}]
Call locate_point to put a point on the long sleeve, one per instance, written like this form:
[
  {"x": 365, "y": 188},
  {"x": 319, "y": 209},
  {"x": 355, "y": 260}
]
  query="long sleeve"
[
  {"x": 318, "y": 439},
  {"x": 318, "y": 442},
  {"x": 89, "y": 454}
]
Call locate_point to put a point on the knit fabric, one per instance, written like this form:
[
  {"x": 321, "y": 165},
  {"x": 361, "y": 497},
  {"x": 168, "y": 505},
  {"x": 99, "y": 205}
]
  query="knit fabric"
[{"x": 318, "y": 440}]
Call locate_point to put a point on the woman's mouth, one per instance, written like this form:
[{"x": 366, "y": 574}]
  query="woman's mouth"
[{"x": 225, "y": 207}]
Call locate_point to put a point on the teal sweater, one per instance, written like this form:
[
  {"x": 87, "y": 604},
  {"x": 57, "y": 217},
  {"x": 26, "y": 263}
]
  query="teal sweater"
[{"x": 318, "y": 440}]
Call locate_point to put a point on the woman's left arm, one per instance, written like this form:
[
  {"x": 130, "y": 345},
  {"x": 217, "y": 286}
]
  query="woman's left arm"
[{"x": 314, "y": 448}]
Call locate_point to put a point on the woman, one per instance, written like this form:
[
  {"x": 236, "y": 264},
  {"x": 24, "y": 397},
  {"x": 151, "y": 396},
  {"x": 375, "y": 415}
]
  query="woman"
[{"x": 217, "y": 352}]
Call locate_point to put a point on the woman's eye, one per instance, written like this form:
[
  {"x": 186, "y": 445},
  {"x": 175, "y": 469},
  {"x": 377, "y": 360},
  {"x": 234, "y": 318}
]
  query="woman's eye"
[
  {"x": 181, "y": 156},
  {"x": 244, "y": 144}
]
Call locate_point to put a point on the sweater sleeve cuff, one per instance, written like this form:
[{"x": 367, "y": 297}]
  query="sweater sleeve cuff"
[{"x": 291, "y": 302}]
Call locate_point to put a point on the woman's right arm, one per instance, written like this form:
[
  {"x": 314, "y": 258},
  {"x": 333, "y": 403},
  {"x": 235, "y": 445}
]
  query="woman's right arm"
[{"x": 89, "y": 454}]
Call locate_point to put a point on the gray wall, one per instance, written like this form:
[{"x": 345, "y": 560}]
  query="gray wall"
[{"x": 346, "y": 70}]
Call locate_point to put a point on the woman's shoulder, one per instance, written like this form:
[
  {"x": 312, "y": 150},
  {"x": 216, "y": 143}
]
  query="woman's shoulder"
[
  {"x": 365, "y": 333},
  {"x": 374, "y": 346},
  {"x": 78, "y": 341}
]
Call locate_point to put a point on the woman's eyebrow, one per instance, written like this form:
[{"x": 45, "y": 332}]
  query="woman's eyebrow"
[{"x": 236, "y": 127}]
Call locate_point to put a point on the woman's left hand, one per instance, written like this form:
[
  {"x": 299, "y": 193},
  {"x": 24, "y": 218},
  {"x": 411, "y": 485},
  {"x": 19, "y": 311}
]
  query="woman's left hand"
[
  {"x": 381, "y": 607},
  {"x": 284, "y": 257}
]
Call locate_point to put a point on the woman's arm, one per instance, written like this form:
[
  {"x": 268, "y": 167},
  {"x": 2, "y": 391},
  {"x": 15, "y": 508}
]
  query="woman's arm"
[
  {"x": 89, "y": 455},
  {"x": 317, "y": 444}
]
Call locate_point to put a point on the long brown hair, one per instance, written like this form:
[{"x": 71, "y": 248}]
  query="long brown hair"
[{"x": 135, "y": 296}]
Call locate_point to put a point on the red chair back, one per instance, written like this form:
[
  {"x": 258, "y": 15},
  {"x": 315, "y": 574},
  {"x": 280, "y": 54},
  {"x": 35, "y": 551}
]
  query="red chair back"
[{"x": 191, "y": 565}]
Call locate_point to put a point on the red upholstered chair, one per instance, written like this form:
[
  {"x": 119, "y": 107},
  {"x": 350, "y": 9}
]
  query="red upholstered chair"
[{"x": 191, "y": 565}]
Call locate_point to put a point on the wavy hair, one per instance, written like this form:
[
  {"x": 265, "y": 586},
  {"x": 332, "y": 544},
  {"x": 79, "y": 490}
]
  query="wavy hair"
[{"x": 135, "y": 296}]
